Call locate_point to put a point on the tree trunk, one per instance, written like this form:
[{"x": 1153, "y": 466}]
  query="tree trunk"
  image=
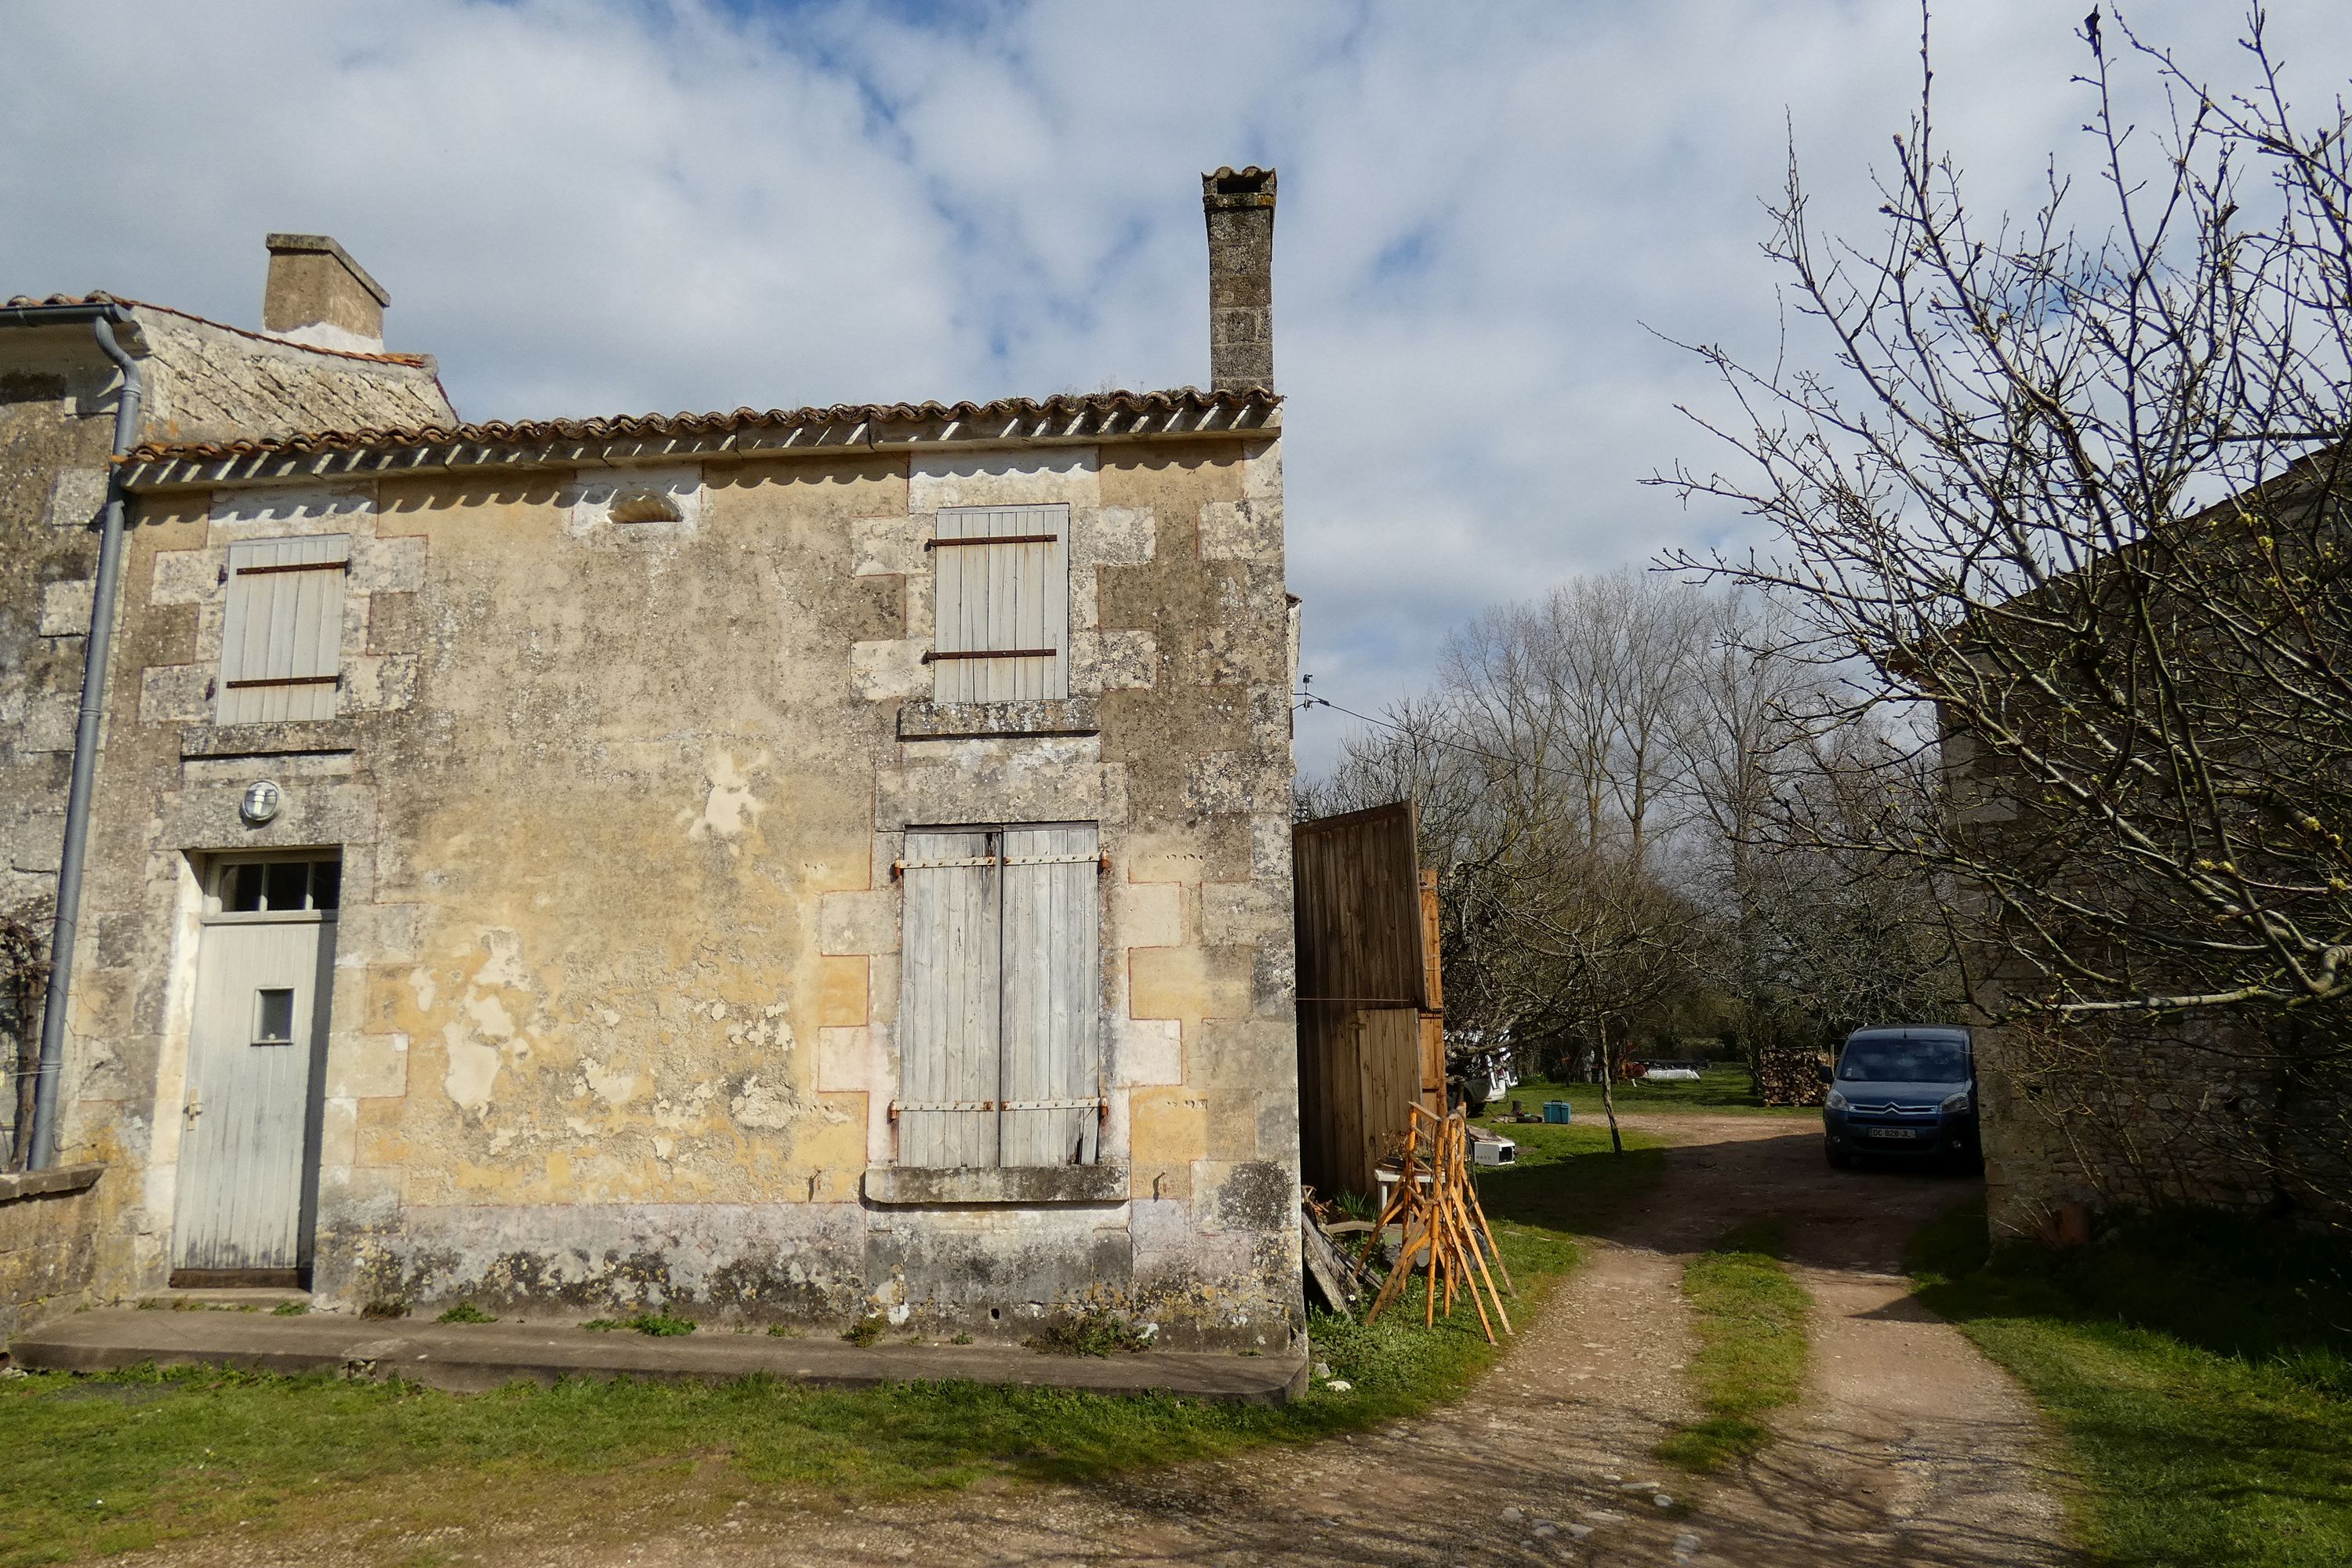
[{"x": 1608, "y": 1092}]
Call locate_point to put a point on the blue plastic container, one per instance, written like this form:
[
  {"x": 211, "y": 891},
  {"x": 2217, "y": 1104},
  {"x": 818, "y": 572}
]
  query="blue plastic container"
[{"x": 1558, "y": 1111}]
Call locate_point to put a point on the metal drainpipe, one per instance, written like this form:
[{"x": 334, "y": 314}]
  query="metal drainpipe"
[{"x": 96, "y": 649}]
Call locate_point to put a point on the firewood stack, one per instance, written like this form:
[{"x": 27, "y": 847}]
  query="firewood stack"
[
  {"x": 1446, "y": 1229},
  {"x": 1789, "y": 1075}
]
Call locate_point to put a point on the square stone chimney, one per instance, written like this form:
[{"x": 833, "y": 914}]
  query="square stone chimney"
[
  {"x": 1239, "y": 204},
  {"x": 318, "y": 295}
]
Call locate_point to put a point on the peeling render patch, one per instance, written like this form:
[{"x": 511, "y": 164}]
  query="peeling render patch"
[{"x": 729, "y": 809}]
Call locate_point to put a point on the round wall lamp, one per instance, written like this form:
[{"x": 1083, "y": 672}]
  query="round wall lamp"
[{"x": 262, "y": 799}]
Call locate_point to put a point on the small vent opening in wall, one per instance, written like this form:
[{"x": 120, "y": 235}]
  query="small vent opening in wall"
[{"x": 646, "y": 506}]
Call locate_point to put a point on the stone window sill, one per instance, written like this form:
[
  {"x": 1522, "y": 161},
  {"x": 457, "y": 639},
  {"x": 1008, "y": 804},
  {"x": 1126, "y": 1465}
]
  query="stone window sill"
[
  {"x": 922, "y": 720},
  {"x": 17, "y": 1184},
  {"x": 292, "y": 737},
  {"x": 911, "y": 1185}
]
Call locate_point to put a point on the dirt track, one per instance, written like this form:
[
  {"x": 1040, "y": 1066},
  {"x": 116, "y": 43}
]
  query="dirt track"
[{"x": 1908, "y": 1448}]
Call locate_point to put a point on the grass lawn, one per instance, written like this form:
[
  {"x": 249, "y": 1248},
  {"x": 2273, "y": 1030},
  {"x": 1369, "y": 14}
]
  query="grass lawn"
[
  {"x": 1720, "y": 1090},
  {"x": 117, "y": 1463},
  {"x": 2201, "y": 1375},
  {"x": 1750, "y": 1317}
]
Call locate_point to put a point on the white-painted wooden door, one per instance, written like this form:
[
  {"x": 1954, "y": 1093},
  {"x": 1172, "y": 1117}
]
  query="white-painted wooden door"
[{"x": 248, "y": 1146}]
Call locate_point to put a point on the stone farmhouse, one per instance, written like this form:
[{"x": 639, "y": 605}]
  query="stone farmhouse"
[{"x": 776, "y": 866}]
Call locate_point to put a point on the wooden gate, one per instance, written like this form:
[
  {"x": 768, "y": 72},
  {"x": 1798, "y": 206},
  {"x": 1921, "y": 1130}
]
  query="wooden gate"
[{"x": 1372, "y": 1024}]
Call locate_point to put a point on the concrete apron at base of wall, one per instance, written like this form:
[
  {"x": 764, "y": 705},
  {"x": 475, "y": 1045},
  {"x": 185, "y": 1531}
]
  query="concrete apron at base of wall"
[{"x": 476, "y": 1357}]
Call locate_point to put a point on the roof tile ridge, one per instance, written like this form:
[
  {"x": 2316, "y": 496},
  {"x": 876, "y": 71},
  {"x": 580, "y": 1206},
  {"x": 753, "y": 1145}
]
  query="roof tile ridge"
[{"x": 500, "y": 431}]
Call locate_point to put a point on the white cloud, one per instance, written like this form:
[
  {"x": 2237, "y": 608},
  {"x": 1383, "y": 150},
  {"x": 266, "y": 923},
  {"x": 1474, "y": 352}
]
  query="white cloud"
[{"x": 594, "y": 207}]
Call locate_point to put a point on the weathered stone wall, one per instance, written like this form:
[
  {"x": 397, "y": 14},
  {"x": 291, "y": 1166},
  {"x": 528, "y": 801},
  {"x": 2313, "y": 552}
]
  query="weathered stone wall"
[
  {"x": 48, "y": 1243},
  {"x": 2135, "y": 1113},
  {"x": 617, "y": 973},
  {"x": 2148, "y": 1116},
  {"x": 56, "y": 415}
]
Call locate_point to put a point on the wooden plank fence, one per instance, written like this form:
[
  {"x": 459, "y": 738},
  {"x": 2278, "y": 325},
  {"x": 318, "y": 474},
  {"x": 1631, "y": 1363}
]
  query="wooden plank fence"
[{"x": 1371, "y": 1024}]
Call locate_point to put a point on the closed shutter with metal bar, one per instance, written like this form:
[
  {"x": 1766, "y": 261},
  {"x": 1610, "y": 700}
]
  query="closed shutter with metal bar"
[
  {"x": 1001, "y": 625},
  {"x": 1052, "y": 1076},
  {"x": 282, "y": 630},
  {"x": 948, "y": 1015},
  {"x": 1000, "y": 1026}
]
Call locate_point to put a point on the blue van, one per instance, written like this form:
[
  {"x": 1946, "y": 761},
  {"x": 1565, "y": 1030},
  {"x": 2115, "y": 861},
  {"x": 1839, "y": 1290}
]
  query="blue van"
[{"x": 1909, "y": 1091}]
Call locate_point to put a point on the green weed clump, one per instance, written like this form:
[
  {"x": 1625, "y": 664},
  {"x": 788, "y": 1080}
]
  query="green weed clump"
[
  {"x": 1752, "y": 1348},
  {"x": 1093, "y": 1332},
  {"x": 866, "y": 1330},
  {"x": 465, "y": 1312},
  {"x": 658, "y": 1323},
  {"x": 290, "y": 1309}
]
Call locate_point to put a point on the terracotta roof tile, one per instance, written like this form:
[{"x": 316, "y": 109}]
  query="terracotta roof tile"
[{"x": 502, "y": 434}]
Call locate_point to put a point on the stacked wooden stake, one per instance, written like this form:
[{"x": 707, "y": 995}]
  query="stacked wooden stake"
[{"x": 1446, "y": 1229}]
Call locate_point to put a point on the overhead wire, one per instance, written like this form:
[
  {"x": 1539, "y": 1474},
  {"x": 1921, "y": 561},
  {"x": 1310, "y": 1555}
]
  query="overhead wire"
[{"x": 1307, "y": 700}]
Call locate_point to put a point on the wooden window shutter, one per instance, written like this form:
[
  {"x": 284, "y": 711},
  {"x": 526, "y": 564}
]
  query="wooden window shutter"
[
  {"x": 1000, "y": 1014},
  {"x": 282, "y": 630},
  {"x": 1002, "y": 631},
  {"x": 1052, "y": 1075},
  {"x": 949, "y": 999}
]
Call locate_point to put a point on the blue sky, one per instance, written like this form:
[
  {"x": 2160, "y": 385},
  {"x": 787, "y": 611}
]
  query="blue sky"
[{"x": 595, "y": 206}]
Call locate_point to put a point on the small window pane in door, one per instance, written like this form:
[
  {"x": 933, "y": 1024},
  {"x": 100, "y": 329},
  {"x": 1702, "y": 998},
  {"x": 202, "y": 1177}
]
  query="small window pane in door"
[
  {"x": 273, "y": 1022},
  {"x": 284, "y": 885},
  {"x": 241, "y": 890}
]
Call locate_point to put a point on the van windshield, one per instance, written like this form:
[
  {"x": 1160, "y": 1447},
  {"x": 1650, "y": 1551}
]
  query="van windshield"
[{"x": 1894, "y": 1058}]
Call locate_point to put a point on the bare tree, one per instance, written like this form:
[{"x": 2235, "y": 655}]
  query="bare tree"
[
  {"x": 2077, "y": 480},
  {"x": 1549, "y": 765},
  {"x": 1752, "y": 700}
]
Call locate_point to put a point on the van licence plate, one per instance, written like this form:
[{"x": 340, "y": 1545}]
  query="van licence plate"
[{"x": 1893, "y": 1131}]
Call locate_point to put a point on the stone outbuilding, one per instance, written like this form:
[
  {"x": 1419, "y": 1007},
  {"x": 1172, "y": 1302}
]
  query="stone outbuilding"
[{"x": 774, "y": 866}]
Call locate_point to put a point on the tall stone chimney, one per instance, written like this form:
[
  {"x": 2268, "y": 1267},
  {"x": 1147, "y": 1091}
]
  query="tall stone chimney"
[
  {"x": 1240, "y": 209},
  {"x": 318, "y": 295}
]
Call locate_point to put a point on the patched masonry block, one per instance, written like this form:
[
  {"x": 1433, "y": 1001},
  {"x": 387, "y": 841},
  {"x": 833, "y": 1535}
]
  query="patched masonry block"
[
  {"x": 852, "y": 924},
  {"x": 1189, "y": 983},
  {"x": 880, "y": 671},
  {"x": 1241, "y": 531},
  {"x": 1147, "y": 914},
  {"x": 76, "y": 498},
  {"x": 65, "y": 608}
]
